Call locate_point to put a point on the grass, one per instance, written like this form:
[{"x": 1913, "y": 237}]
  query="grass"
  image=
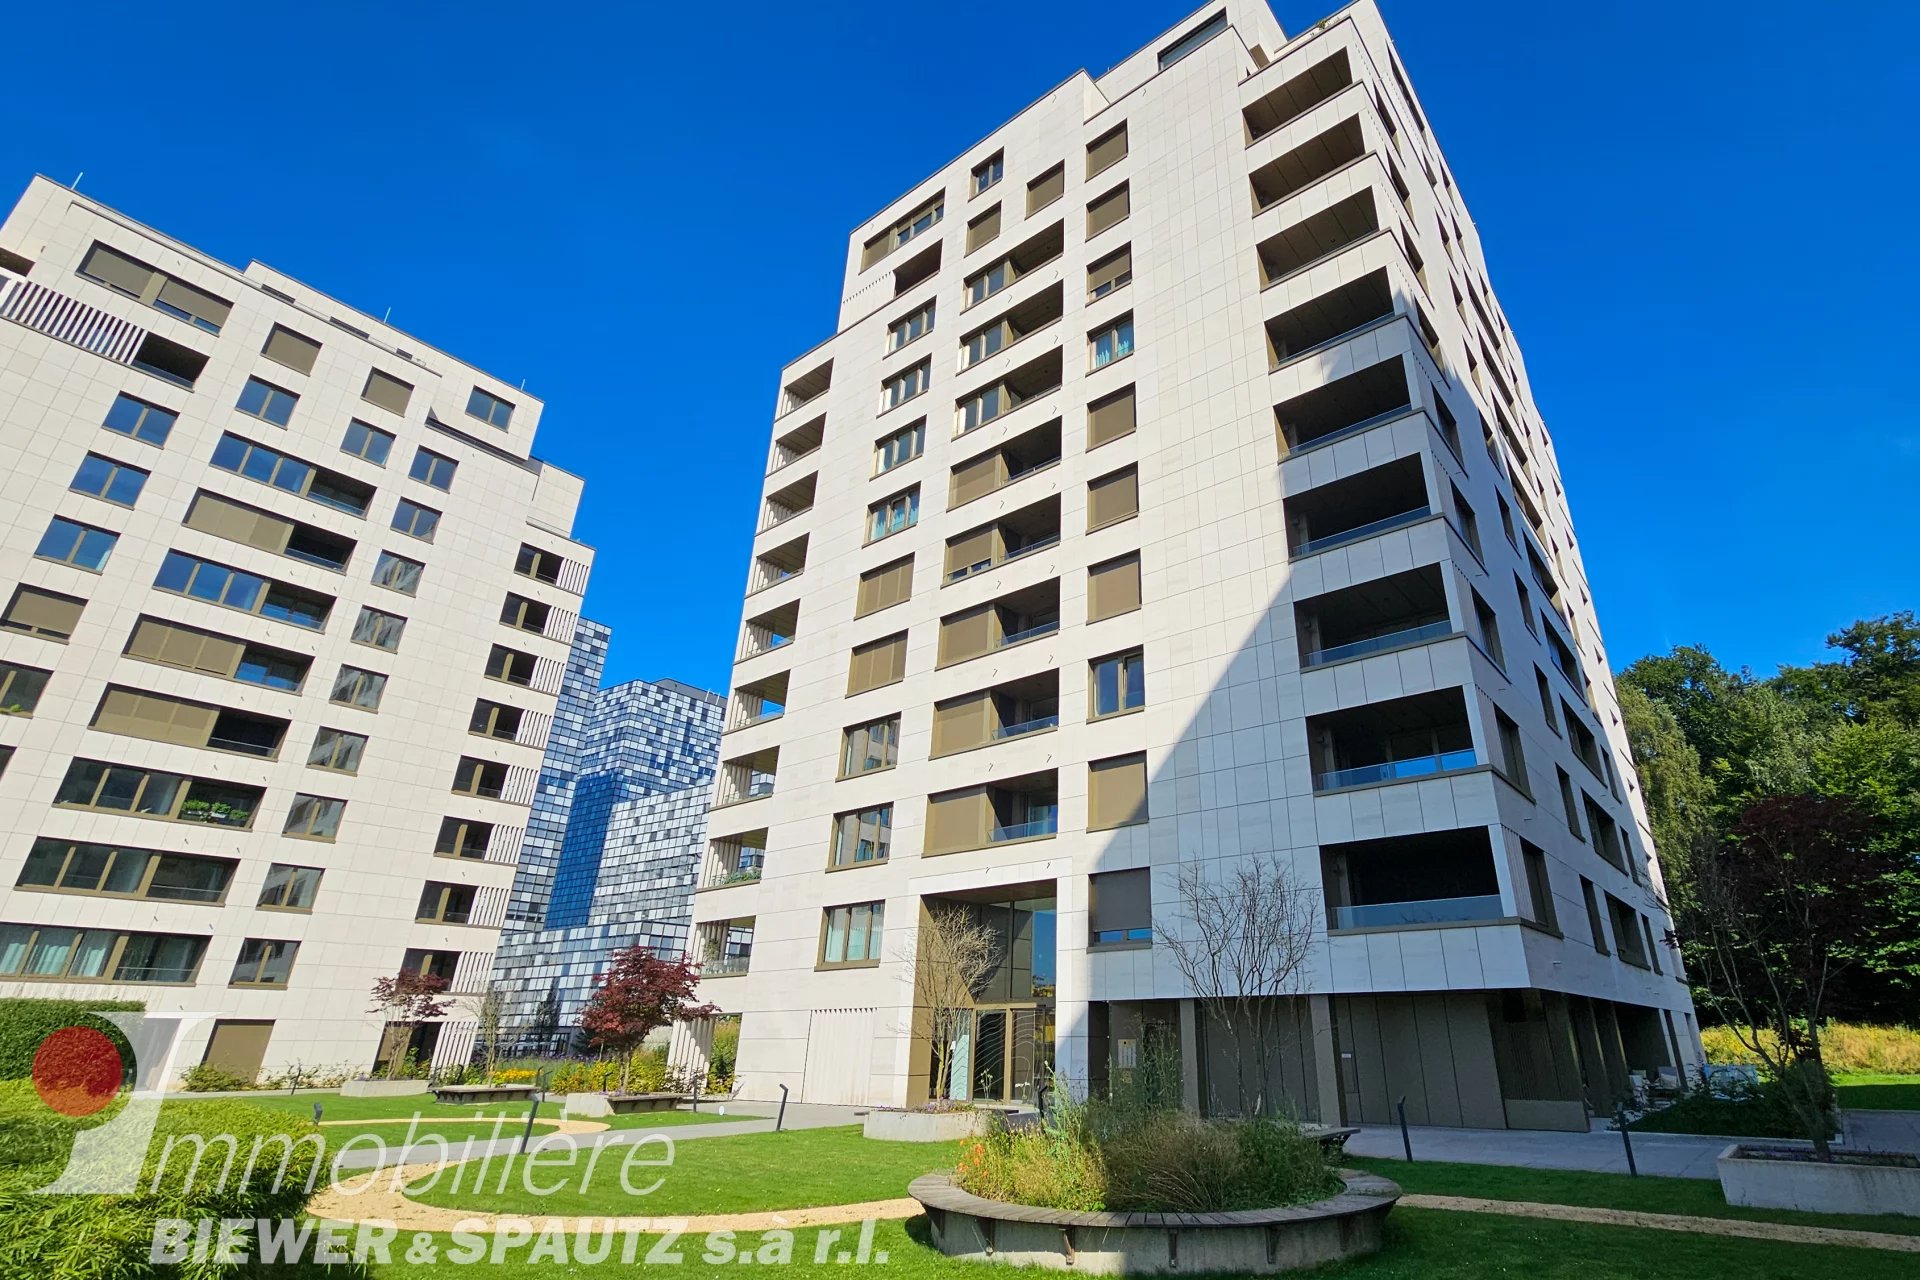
[
  {"x": 1864, "y": 1092},
  {"x": 335, "y": 1107},
  {"x": 1422, "y": 1244},
  {"x": 1699, "y": 1197},
  {"x": 741, "y": 1174}
]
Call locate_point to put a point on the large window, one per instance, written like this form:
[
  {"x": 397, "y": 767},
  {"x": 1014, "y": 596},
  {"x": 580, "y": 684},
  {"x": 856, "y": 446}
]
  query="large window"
[
  {"x": 218, "y": 584},
  {"x": 108, "y": 871},
  {"x": 338, "y": 750},
  {"x": 20, "y": 688},
  {"x": 371, "y": 443},
  {"x": 1119, "y": 907},
  {"x": 899, "y": 448},
  {"x": 1193, "y": 39},
  {"x": 113, "y": 788},
  {"x": 314, "y": 818},
  {"x": 914, "y": 324},
  {"x": 851, "y": 935},
  {"x": 378, "y": 630},
  {"x": 265, "y": 401},
  {"x": 290, "y": 888},
  {"x": 415, "y": 521},
  {"x": 80, "y": 545},
  {"x": 891, "y": 515},
  {"x": 264, "y": 962},
  {"x": 431, "y": 468},
  {"x": 173, "y": 645},
  {"x": 862, "y": 836},
  {"x": 906, "y": 384},
  {"x": 113, "y": 481},
  {"x": 871, "y": 746},
  {"x": 291, "y": 349},
  {"x": 1111, "y": 343},
  {"x": 271, "y": 467},
  {"x": 1118, "y": 683},
  {"x": 397, "y": 573},
  {"x": 489, "y": 408},
  {"x": 1116, "y": 792},
  {"x": 989, "y": 171},
  {"x": 42, "y": 613},
  {"x": 47, "y": 954},
  {"x": 357, "y": 688},
  {"x": 141, "y": 421}
]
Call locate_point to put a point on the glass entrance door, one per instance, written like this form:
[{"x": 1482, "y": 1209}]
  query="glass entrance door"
[{"x": 990, "y": 1055}]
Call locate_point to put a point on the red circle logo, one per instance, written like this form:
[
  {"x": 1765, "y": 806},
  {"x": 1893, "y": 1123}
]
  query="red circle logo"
[{"x": 77, "y": 1071}]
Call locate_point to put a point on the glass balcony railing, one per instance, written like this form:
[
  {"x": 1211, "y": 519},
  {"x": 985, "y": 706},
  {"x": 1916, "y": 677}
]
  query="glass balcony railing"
[
  {"x": 1031, "y": 633},
  {"x": 1111, "y": 937},
  {"x": 1045, "y": 824},
  {"x": 1397, "y": 915},
  {"x": 724, "y": 966},
  {"x": 1396, "y": 770},
  {"x": 1373, "y": 644},
  {"x": 1034, "y": 725},
  {"x": 1361, "y": 531},
  {"x": 982, "y": 566}
]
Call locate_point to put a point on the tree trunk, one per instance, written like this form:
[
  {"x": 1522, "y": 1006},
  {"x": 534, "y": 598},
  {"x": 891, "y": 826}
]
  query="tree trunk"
[{"x": 626, "y": 1068}]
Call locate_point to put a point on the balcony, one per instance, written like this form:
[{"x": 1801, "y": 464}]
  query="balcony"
[
  {"x": 1030, "y": 613},
  {"x": 768, "y": 631},
  {"x": 1024, "y": 808},
  {"x": 1037, "y": 312},
  {"x": 747, "y": 777},
  {"x": 791, "y": 446},
  {"x": 1032, "y": 380},
  {"x": 788, "y": 501},
  {"x": 1411, "y": 882},
  {"x": 1295, "y": 97},
  {"x": 1032, "y": 528},
  {"x": 1032, "y": 254},
  {"x": 1343, "y": 408},
  {"x": 1387, "y": 613},
  {"x": 1363, "y": 505},
  {"x": 775, "y": 565},
  {"x": 808, "y": 386},
  {"x": 734, "y": 860},
  {"x": 1012, "y": 709},
  {"x": 1019, "y": 457},
  {"x": 758, "y": 701},
  {"x": 725, "y": 947},
  {"x": 1421, "y": 736},
  {"x": 1330, "y": 318},
  {"x": 1307, "y": 163},
  {"x": 1318, "y": 236}
]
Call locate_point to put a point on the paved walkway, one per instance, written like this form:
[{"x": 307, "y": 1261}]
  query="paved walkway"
[
  {"x": 1671, "y": 1155},
  {"x": 1882, "y": 1130},
  {"x": 1686, "y": 1223}
]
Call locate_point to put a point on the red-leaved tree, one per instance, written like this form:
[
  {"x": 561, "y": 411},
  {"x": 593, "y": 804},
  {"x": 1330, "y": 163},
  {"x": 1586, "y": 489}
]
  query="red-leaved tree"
[
  {"x": 637, "y": 995},
  {"x": 408, "y": 999}
]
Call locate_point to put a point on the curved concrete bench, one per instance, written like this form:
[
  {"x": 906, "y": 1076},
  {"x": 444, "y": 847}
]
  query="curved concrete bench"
[{"x": 1243, "y": 1241}]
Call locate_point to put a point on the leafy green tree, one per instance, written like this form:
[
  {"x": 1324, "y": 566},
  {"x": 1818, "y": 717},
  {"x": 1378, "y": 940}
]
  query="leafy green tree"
[{"x": 1679, "y": 799}]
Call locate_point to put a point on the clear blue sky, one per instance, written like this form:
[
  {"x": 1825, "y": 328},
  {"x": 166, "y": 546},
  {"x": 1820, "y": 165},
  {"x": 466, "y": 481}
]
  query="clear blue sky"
[{"x": 1699, "y": 218}]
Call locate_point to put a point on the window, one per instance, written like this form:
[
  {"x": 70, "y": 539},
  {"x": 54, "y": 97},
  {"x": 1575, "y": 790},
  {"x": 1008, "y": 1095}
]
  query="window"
[
  {"x": 263, "y": 962},
  {"x": 173, "y": 645},
  {"x": 869, "y": 747},
  {"x": 903, "y": 232},
  {"x": 20, "y": 688},
  {"x": 104, "y": 478},
  {"x": 1119, "y": 907},
  {"x": 1193, "y": 39},
  {"x": 286, "y": 347},
  {"x": 1107, "y": 210},
  {"x": 265, "y": 401},
  {"x": 905, "y": 385},
  {"x": 356, "y": 688},
  {"x": 463, "y": 838},
  {"x": 1568, "y": 803},
  {"x": 1113, "y": 498},
  {"x": 156, "y": 288},
  {"x": 378, "y": 630},
  {"x": 863, "y": 836},
  {"x": 1107, "y": 150},
  {"x": 489, "y": 408},
  {"x": 851, "y": 935},
  {"x": 415, "y": 521},
  {"x": 222, "y": 585},
  {"x": 113, "y": 788},
  {"x": 900, "y": 448},
  {"x": 113, "y": 872},
  {"x": 42, "y": 613},
  {"x": 1112, "y": 343},
  {"x": 989, "y": 171},
  {"x": 891, "y": 515},
  {"x": 270, "y": 467},
  {"x": 1117, "y": 683},
  {"x": 430, "y": 468},
  {"x": 289, "y": 888},
  {"x": 480, "y": 778},
  {"x": 69, "y": 955},
  {"x": 1539, "y": 887},
  {"x": 1513, "y": 757},
  {"x": 1546, "y": 699},
  {"x": 1110, "y": 273},
  {"x": 877, "y": 663},
  {"x": 1116, "y": 792},
  {"x": 495, "y": 720},
  {"x": 1110, "y": 417},
  {"x": 445, "y": 903},
  {"x": 1113, "y": 588},
  {"x": 532, "y": 562},
  {"x": 523, "y": 614},
  {"x": 984, "y": 229},
  {"x": 81, "y": 545},
  {"x": 1469, "y": 526},
  {"x": 887, "y": 585},
  {"x": 915, "y": 324},
  {"x": 1593, "y": 917},
  {"x": 1046, "y": 188},
  {"x": 140, "y": 420},
  {"x": 510, "y": 665},
  {"x": 338, "y": 750},
  {"x": 371, "y": 443},
  {"x": 387, "y": 391},
  {"x": 314, "y": 818},
  {"x": 397, "y": 573},
  {"x": 1489, "y": 629}
]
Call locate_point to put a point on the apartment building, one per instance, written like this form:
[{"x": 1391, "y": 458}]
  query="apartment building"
[
  {"x": 614, "y": 842},
  {"x": 285, "y": 600},
  {"x": 1173, "y": 495}
]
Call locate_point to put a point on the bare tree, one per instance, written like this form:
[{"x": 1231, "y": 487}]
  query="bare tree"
[
  {"x": 490, "y": 1017},
  {"x": 952, "y": 956},
  {"x": 1248, "y": 934}
]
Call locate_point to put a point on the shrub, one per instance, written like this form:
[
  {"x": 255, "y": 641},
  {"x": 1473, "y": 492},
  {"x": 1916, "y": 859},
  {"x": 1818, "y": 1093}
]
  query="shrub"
[
  {"x": 1733, "y": 1110},
  {"x": 514, "y": 1075},
  {"x": 1845, "y": 1046},
  {"x": 24, "y": 1023},
  {"x": 108, "y": 1237},
  {"x": 205, "y": 1077}
]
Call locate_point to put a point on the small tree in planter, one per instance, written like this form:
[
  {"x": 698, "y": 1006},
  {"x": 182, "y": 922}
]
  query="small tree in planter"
[
  {"x": 408, "y": 999},
  {"x": 1779, "y": 912},
  {"x": 490, "y": 1018},
  {"x": 952, "y": 956},
  {"x": 637, "y": 995}
]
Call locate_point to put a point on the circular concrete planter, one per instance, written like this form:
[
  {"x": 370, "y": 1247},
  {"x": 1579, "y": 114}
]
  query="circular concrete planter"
[
  {"x": 1778, "y": 1176},
  {"x": 1243, "y": 1242}
]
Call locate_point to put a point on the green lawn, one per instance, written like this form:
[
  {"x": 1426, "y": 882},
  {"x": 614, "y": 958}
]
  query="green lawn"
[
  {"x": 1878, "y": 1093},
  {"x": 745, "y": 1173},
  {"x": 1697, "y": 1196},
  {"x": 1421, "y": 1245}
]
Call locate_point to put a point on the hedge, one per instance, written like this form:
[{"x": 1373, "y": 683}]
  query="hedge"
[
  {"x": 25, "y": 1023},
  {"x": 109, "y": 1237}
]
